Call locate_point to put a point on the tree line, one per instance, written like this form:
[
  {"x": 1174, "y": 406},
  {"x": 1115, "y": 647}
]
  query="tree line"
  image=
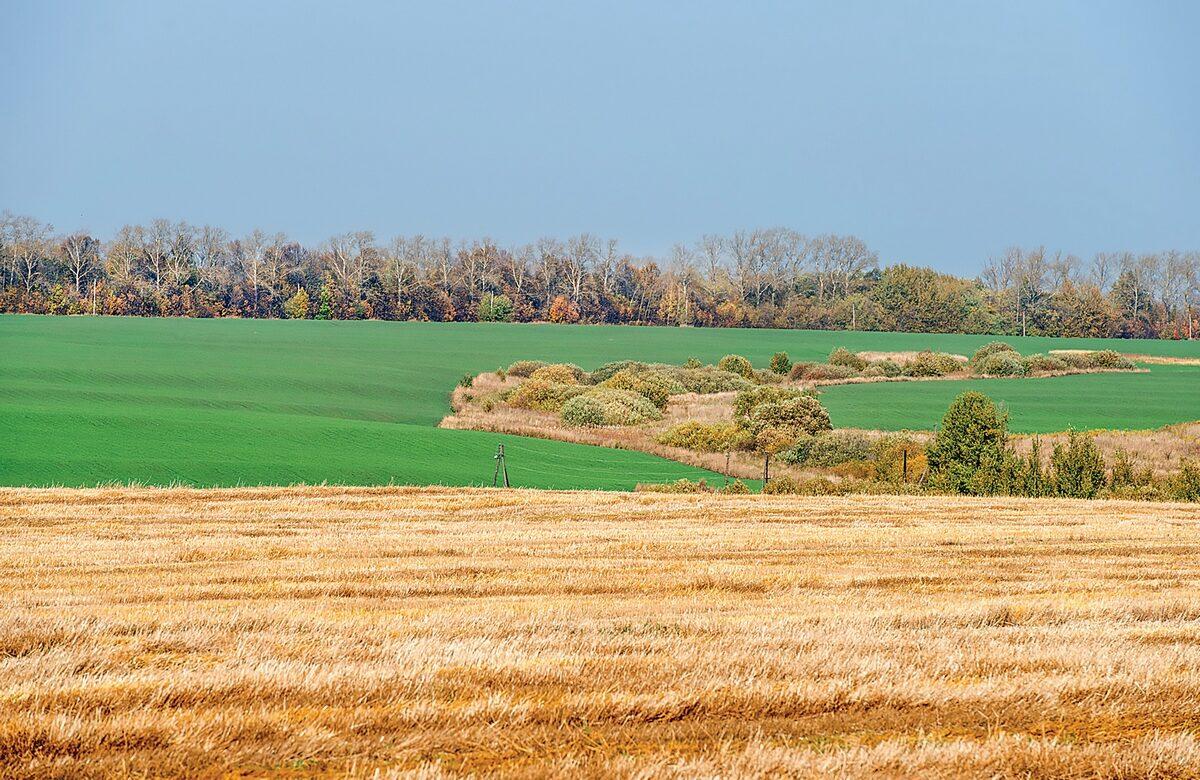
[{"x": 774, "y": 278}]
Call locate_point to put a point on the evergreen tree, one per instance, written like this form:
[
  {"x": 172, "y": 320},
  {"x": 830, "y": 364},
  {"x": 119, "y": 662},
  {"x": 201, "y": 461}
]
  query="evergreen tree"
[
  {"x": 325, "y": 302},
  {"x": 970, "y": 454},
  {"x": 1078, "y": 468}
]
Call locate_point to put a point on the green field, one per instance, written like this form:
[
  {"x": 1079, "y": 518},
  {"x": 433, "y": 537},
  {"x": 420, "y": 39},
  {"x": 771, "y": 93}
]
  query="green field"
[{"x": 86, "y": 400}]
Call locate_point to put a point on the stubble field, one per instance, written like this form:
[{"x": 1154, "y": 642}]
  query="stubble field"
[{"x": 447, "y": 631}]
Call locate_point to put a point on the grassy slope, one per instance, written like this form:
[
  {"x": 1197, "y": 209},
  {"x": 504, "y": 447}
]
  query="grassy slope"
[{"x": 221, "y": 402}]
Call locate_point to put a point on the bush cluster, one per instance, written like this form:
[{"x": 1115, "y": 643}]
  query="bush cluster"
[
  {"x": 736, "y": 364},
  {"x": 1044, "y": 364},
  {"x": 525, "y": 368},
  {"x": 542, "y": 395},
  {"x": 564, "y": 373},
  {"x": 656, "y": 386},
  {"x": 989, "y": 349},
  {"x": 830, "y": 449},
  {"x": 844, "y": 357},
  {"x": 818, "y": 371},
  {"x": 1000, "y": 359},
  {"x": 678, "y": 486},
  {"x": 608, "y": 406},
  {"x": 1000, "y": 364},
  {"x": 928, "y": 363},
  {"x": 971, "y": 454},
  {"x": 844, "y": 364},
  {"x": 1104, "y": 358},
  {"x": 606, "y": 371}
]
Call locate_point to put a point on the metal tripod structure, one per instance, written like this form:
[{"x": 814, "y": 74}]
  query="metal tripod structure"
[{"x": 501, "y": 467}]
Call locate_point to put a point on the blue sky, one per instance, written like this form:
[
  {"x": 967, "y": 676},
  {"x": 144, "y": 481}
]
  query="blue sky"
[{"x": 939, "y": 133}]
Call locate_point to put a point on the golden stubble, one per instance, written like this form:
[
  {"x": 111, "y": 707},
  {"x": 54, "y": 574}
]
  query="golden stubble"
[{"x": 429, "y": 632}]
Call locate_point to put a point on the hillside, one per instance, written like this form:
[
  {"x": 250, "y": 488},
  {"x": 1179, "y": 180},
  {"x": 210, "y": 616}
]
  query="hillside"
[{"x": 87, "y": 400}]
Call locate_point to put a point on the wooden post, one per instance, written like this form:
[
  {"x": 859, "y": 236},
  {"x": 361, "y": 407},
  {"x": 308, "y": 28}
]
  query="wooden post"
[
  {"x": 905, "y": 458},
  {"x": 766, "y": 469}
]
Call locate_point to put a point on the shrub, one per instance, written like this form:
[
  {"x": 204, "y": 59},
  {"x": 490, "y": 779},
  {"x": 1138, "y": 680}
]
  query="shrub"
[
  {"x": 708, "y": 380},
  {"x": 736, "y": 364},
  {"x": 889, "y": 367},
  {"x": 679, "y": 486},
  {"x": 542, "y": 395},
  {"x": 494, "y": 308},
  {"x": 296, "y": 307},
  {"x": 973, "y": 438},
  {"x": 735, "y": 488},
  {"x": 1043, "y": 364},
  {"x": 781, "y": 486},
  {"x": 606, "y": 371},
  {"x": 820, "y": 486},
  {"x": 799, "y": 369},
  {"x": 844, "y": 357},
  {"x": 562, "y": 373},
  {"x": 993, "y": 348},
  {"x": 501, "y": 374},
  {"x": 762, "y": 394},
  {"x": 700, "y": 437},
  {"x": 830, "y": 449},
  {"x": 1125, "y": 475},
  {"x": 692, "y": 363},
  {"x": 609, "y": 406},
  {"x": 525, "y": 368},
  {"x": 765, "y": 376},
  {"x": 653, "y": 385},
  {"x": 897, "y": 458},
  {"x": 1108, "y": 358},
  {"x": 792, "y": 417},
  {"x": 1001, "y": 364},
  {"x": 1078, "y": 468},
  {"x": 1185, "y": 485},
  {"x": 824, "y": 371},
  {"x": 467, "y": 380},
  {"x": 781, "y": 363},
  {"x": 873, "y": 372},
  {"x": 929, "y": 363}
]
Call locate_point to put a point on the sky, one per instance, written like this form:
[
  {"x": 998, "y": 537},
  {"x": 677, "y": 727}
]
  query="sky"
[{"x": 940, "y": 133}]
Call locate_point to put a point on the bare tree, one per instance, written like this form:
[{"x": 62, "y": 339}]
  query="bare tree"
[{"x": 81, "y": 255}]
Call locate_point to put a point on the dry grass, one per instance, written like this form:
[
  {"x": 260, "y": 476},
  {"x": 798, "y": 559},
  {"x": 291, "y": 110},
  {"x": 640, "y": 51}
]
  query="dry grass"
[
  {"x": 1162, "y": 450},
  {"x": 1158, "y": 360},
  {"x": 431, "y": 632}
]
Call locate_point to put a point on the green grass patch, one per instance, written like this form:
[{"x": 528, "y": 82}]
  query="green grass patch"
[{"x": 85, "y": 400}]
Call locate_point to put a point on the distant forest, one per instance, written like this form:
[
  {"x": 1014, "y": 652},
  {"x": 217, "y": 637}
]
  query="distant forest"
[{"x": 771, "y": 278}]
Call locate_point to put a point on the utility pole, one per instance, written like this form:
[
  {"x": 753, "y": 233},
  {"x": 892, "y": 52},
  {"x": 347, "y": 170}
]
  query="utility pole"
[{"x": 501, "y": 468}]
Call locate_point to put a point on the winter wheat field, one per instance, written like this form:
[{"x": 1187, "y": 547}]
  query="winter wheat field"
[
  {"x": 459, "y": 631},
  {"x": 427, "y": 632}
]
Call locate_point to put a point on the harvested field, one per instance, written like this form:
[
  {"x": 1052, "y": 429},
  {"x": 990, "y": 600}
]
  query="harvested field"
[{"x": 445, "y": 631}]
